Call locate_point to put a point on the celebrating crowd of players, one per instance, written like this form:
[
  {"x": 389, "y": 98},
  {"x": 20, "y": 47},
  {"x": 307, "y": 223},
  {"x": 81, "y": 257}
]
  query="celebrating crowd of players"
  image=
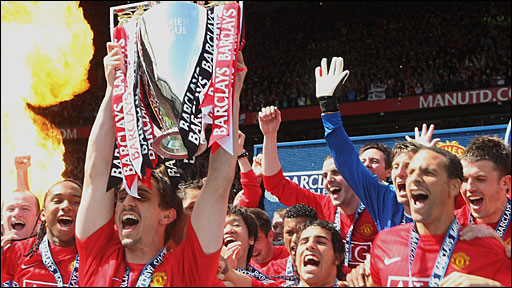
[{"x": 364, "y": 232}]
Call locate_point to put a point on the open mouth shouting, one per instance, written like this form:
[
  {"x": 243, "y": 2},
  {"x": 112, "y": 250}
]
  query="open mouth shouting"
[
  {"x": 334, "y": 190},
  {"x": 400, "y": 186},
  {"x": 129, "y": 222},
  {"x": 65, "y": 222},
  {"x": 475, "y": 201},
  {"x": 228, "y": 239},
  {"x": 310, "y": 262},
  {"x": 418, "y": 198},
  {"x": 18, "y": 225}
]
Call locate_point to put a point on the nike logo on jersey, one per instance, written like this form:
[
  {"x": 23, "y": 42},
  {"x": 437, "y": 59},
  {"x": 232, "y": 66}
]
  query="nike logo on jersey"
[
  {"x": 27, "y": 266},
  {"x": 388, "y": 261}
]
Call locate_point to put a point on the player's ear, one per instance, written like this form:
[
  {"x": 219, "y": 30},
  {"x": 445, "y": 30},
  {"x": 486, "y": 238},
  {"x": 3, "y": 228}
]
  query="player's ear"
[{"x": 168, "y": 216}]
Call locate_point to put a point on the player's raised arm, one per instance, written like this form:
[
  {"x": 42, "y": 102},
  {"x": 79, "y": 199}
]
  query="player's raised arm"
[
  {"x": 97, "y": 205},
  {"x": 210, "y": 209}
]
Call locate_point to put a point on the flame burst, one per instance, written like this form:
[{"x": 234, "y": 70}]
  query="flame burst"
[{"x": 46, "y": 51}]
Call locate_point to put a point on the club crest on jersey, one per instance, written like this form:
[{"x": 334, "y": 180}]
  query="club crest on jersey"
[
  {"x": 72, "y": 265},
  {"x": 507, "y": 241},
  {"x": 459, "y": 260},
  {"x": 159, "y": 279},
  {"x": 367, "y": 229}
]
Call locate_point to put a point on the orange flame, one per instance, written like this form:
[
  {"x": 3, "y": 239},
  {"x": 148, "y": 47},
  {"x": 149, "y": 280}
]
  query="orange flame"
[{"x": 46, "y": 51}]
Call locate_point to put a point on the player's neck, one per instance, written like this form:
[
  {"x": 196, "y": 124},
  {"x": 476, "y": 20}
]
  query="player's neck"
[
  {"x": 141, "y": 254},
  {"x": 350, "y": 206},
  {"x": 242, "y": 260},
  {"x": 54, "y": 240},
  {"x": 324, "y": 282},
  {"x": 439, "y": 226},
  {"x": 407, "y": 209}
]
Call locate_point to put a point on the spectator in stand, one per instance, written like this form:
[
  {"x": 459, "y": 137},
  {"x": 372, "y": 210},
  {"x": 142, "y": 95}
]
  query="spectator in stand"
[
  {"x": 264, "y": 251},
  {"x": 20, "y": 208}
]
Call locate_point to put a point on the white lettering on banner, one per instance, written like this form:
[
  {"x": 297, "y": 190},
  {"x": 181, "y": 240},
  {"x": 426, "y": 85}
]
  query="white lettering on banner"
[
  {"x": 464, "y": 98},
  {"x": 311, "y": 180},
  {"x": 221, "y": 102},
  {"x": 403, "y": 281},
  {"x": 68, "y": 133},
  {"x": 360, "y": 250},
  {"x": 502, "y": 94}
]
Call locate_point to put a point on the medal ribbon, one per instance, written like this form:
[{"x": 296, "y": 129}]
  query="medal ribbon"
[
  {"x": 348, "y": 237},
  {"x": 147, "y": 273},
  {"x": 50, "y": 265},
  {"x": 443, "y": 259}
]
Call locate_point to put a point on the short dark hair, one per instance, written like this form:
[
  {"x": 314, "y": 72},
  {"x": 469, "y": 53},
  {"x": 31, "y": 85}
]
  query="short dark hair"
[
  {"x": 452, "y": 165},
  {"x": 168, "y": 198},
  {"x": 489, "y": 148},
  {"x": 406, "y": 146},
  {"x": 337, "y": 241},
  {"x": 78, "y": 184},
  {"x": 250, "y": 223},
  {"x": 301, "y": 210},
  {"x": 382, "y": 148},
  {"x": 262, "y": 219}
]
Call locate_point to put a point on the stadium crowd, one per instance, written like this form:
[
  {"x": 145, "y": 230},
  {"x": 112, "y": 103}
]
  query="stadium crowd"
[{"x": 409, "y": 215}]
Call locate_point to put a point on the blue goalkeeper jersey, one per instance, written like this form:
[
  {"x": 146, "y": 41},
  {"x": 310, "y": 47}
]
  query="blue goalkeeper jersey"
[{"x": 379, "y": 197}]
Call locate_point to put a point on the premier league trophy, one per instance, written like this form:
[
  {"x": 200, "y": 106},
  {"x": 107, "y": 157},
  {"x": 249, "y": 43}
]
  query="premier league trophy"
[{"x": 181, "y": 59}]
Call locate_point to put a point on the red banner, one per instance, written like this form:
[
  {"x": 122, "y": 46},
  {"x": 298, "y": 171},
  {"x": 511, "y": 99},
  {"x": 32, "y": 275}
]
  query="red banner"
[{"x": 425, "y": 101}]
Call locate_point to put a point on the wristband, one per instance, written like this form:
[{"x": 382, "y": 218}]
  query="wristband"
[
  {"x": 328, "y": 104},
  {"x": 243, "y": 154}
]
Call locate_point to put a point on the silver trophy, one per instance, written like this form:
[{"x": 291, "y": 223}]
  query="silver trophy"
[{"x": 170, "y": 40}]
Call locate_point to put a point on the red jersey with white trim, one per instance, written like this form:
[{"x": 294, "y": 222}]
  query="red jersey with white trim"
[
  {"x": 290, "y": 193},
  {"x": 280, "y": 252},
  {"x": 464, "y": 216},
  {"x": 31, "y": 271},
  {"x": 389, "y": 266},
  {"x": 103, "y": 262}
]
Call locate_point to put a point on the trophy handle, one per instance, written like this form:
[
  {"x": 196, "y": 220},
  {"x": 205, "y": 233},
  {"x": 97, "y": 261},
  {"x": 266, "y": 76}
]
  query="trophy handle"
[{"x": 170, "y": 145}]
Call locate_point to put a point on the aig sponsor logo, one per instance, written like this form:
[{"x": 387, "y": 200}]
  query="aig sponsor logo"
[{"x": 359, "y": 251}]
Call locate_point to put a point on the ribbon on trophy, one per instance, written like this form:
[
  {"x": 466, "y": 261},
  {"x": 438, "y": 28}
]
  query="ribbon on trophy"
[{"x": 181, "y": 64}]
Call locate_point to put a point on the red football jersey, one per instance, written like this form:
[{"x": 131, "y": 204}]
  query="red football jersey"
[
  {"x": 365, "y": 230},
  {"x": 31, "y": 271},
  {"x": 102, "y": 262},
  {"x": 390, "y": 258},
  {"x": 280, "y": 252},
  {"x": 464, "y": 216}
]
